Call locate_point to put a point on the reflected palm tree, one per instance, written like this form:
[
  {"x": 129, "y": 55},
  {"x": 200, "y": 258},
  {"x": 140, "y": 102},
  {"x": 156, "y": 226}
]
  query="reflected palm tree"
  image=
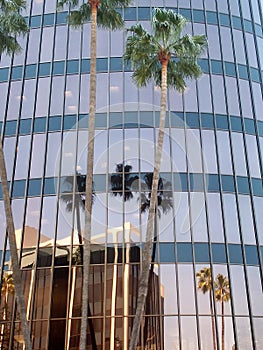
[
  {"x": 125, "y": 184},
  {"x": 7, "y": 289},
  {"x": 205, "y": 284},
  {"x": 222, "y": 295},
  {"x": 77, "y": 203}
]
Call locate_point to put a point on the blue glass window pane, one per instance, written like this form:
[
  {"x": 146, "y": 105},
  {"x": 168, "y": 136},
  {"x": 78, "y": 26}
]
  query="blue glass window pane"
[
  {"x": 102, "y": 64},
  {"x": 230, "y": 69},
  {"x": 34, "y": 187},
  {"x": 62, "y": 17},
  {"x": 224, "y": 19},
  {"x": 236, "y": 123},
  {"x": 184, "y": 252},
  {"x": 44, "y": 69},
  {"x": 69, "y": 122},
  {"x": 4, "y": 72},
  {"x": 115, "y": 64},
  {"x": 99, "y": 183},
  {"x": 180, "y": 182},
  {"x": 207, "y": 121},
  {"x": 17, "y": 72},
  {"x": 116, "y": 120},
  {"x": 260, "y": 128},
  {"x": 254, "y": 73},
  {"x": 85, "y": 66},
  {"x": 146, "y": 119},
  {"x": 49, "y": 19},
  {"x": 25, "y": 126},
  {"x": 1, "y": 125},
  {"x": 212, "y": 183},
  {"x": 58, "y": 67},
  {"x": 211, "y": 17},
  {"x": 177, "y": 120},
  {"x": 251, "y": 255},
  {"x": 258, "y": 30},
  {"x": 218, "y": 253},
  {"x": 192, "y": 120},
  {"x": 84, "y": 121},
  {"x": 144, "y": 13},
  {"x": 243, "y": 185},
  {"x": 257, "y": 187},
  {"x": 186, "y": 13},
  {"x": 237, "y": 24},
  {"x": 167, "y": 253},
  {"x": 196, "y": 182},
  {"x": 221, "y": 122},
  {"x": 19, "y": 188},
  {"x": 10, "y": 127},
  {"x": 130, "y": 120},
  {"x": 248, "y": 26},
  {"x": 130, "y": 14},
  {"x": 54, "y": 123},
  {"x": 73, "y": 67},
  {"x": 201, "y": 253},
  {"x": 249, "y": 126},
  {"x": 235, "y": 254},
  {"x": 35, "y": 21},
  {"x": 50, "y": 185},
  {"x": 242, "y": 71},
  {"x": 204, "y": 65},
  {"x": 216, "y": 67},
  {"x": 228, "y": 183},
  {"x": 101, "y": 121},
  {"x": 30, "y": 71},
  {"x": 261, "y": 249},
  {"x": 40, "y": 124},
  {"x": 199, "y": 16}
]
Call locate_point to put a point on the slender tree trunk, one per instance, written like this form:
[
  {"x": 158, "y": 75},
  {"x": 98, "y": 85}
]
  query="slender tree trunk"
[
  {"x": 213, "y": 320},
  {"x": 13, "y": 252},
  {"x": 223, "y": 326},
  {"x": 88, "y": 201},
  {"x": 144, "y": 278}
]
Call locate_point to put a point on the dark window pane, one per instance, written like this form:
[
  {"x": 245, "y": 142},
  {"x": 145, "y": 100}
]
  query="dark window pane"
[
  {"x": 73, "y": 67},
  {"x": 50, "y": 186},
  {"x": 62, "y": 17},
  {"x": 251, "y": 255},
  {"x": 254, "y": 74},
  {"x": 260, "y": 128},
  {"x": 40, "y": 125},
  {"x": 102, "y": 64},
  {"x": 204, "y": 65},
  {"x": 235, "y": 254},
  {"x": 186, "y": 13},
  {"x": 184, "y": 252},
  {"x": 17, "y": 73},
  {"x": 207, "y": 120},
  {"x": 167, "y": 253},
  {"x": 242, "y": 71},
  {"x": 216, "y": 67},
  {"x": 218, "y": 253},
  {"x": 10, "y": 127},
  {"x": 44, "y": 69},
  {"x": 230, "y": 69},
  {"x": 30, "y": 71},
  {"x": 58, "y": 67},
  {"x": 35, "y": 21},
  {"x": 25, "y": 126},
  {"x": 85, "y": 66},
  {"x": 147, "y": 119},
  {"x": 221, "y": 122},
  {"x": 249, "y": 126},
  {"x": 198, "y": 16},
  {"x": 237, "y": 24},
  {"x": 248, "y": 26},
  {"x": 69, "y": 122},
  {"x": 101, "y": 121},
  {"x": 144, "y": 13},
  {"x": 212, "y": 183},
  {"x": 242, "y": 184},
  {"x": 116, "y": 120},
  {"x": 4, "y": 72},
  {"x": 228, "y": 183},
  {"x": 177, "y": 120},
  {"x": 211, "y": 17},
  {"x": 201, "y": 252},
  {"x": 257, "y": 187},
  {"x": 192, "y": 120},
  {"x": 236, "y": 123},
  {"x": 180, "y": 182},
  {"x": 196, "y": 182},
  {"x": 130, "y": 14},
  {"x": 19, "y": 188},
  {"x": 54, "y": 123},
  {"x": 49, "y": 19},
  {"x": 99, "y": 183},
  {"x": 224, "y": 19},
  {"x": 34, "y": 187},
  {"x": 115, "y": 64}
]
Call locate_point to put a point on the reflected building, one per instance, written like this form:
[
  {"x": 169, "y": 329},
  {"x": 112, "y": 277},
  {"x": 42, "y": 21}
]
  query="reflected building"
[{"x": 210, "y": 196}]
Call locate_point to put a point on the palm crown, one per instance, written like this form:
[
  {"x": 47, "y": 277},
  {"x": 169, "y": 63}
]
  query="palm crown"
[
  {"x": 107, "y": 15},
  {"x": 147, "y": 51},
  {"x": 12, "y": 24}
]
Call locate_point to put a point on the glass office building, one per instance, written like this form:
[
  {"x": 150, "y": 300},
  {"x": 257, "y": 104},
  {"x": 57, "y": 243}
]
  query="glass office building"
[{"x": 210, "y": 196}]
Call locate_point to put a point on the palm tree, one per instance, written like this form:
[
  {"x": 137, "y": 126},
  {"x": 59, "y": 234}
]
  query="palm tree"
[
  {"x": 13, "y": 24},
  {"x": 205, "y": 284},
  {"x": 222, "y": 295},
  {"x": 168, "y": 58},
  {"x": 102, "y": 13}
]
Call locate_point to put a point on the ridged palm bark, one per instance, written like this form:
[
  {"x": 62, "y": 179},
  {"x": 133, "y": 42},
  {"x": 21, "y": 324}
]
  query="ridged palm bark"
[
  {"x": 101, "y": 13},
  {"x": 168, "y": 58},
  {"x": 12, "y": 24}
]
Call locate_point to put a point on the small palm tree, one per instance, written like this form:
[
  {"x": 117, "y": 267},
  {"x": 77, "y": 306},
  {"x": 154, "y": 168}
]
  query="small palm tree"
[
  {"x": 102, "y": 13},
  {"x": 222, "y": 295},
  {"x": 205, "y": 284},
  {"x": 169, "y": 59},
  {"x": 12, "y": 25}
]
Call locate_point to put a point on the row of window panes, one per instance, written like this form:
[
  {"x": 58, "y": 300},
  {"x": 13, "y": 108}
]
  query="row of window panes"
[
  {"x": 116, "y": 65},
  {"x": 165, "y": 253},
  {"x": 144, "y": 14},
  {"x": 182, "y": 183},
  {"x": 147, "y": 120}
]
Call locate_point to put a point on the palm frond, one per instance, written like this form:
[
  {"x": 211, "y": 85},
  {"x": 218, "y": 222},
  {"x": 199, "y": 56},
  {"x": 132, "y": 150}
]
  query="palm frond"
[
  {"x": 77, "y": 17},
  {"x": 70, "y": 3},
  {"x": 109, "y": 17}
]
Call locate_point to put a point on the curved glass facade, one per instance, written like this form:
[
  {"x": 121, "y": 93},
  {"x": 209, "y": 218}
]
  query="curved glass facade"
[{"x": 210, "y": 197}]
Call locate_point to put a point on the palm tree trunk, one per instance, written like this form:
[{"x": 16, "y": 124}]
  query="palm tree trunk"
[
  {"x": 213, "y": 320},
  {"x": 88, "y": 201},
  {"x": 13, "y": 252},
  {"x": 223, "y": 326},
  {"x": 144, "y": 278}
]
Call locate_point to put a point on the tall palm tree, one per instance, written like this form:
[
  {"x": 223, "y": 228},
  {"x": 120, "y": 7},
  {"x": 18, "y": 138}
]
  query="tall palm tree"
[
  {"x": 102, "y": 13},
  {"x": 222, "y": 295},
  {"x": 205, "y": 284},
  {"x": 12, "y": 25},
  {"x": 168, "y": 58},
  {"x": 7, "y": 288}
]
